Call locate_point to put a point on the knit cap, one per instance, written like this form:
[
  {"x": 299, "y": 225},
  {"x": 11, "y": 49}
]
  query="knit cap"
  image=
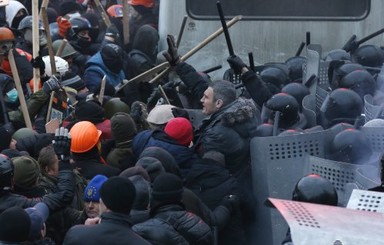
[
  {"x": 167, "y": 188},
  {"x": 123, "y": 128},
  {"x": 180, "y": 129},
  {"x": 92, "y": 191},
  {"x": 118, "y": 194},
  {"x": 15, "y": 225},
  {"x": 27, "y": 171},
  {"x": 5, "y": 137}
]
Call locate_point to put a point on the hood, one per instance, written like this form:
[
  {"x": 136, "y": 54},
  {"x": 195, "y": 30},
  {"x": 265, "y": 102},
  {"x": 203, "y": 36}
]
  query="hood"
[
  {"x": 146, "y": 40},
  {"x": 11, "y": 10},
  {"x": 242, "y": 110}
]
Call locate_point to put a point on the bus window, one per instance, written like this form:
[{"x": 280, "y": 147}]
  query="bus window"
[{"x": 281, "y": 9}]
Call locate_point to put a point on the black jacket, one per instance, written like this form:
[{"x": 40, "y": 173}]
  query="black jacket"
[
  {"x": 55, "y": 201},
  {"x": 171, "y": 224},
  {"x": 114, "y": 229},
  {"x": 89, "y": 168},
  {"x": 229, "y": 131}
]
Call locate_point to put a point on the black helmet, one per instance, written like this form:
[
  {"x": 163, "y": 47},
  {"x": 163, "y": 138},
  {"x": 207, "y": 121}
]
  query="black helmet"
[
  {"x": 341, "y": 105},
  {"x": 369, "y": 55},
  {"x": 79, "y": 24},
  {"x": 286, "y": 105},
  {"x": 275, "y": 78},
  {"x": 264, "y": 130},
  {"x": 337, "y": 54},
  {"x": 315, "y": 189},
  {"x": 360, "y": 81},
  {"x": 352, "y": 146},
  {"x": 297, "y": 90},
  {"x": 6, "y": 173},
  {"x": 295, "y": 67},
  {"x": 339, "y": 72}
]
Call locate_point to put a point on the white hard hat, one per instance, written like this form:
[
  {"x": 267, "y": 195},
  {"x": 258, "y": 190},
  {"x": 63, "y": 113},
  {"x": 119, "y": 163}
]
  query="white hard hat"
[{"x": 61, "y": 65}]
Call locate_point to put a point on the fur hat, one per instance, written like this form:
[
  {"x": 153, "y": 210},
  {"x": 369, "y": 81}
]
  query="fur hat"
[
  {"x": 92, "y": 190},
  {"x": 180, "y": 129},
  {"x": 118, "y": 194}
]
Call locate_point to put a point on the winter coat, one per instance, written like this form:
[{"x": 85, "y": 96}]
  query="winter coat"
[
  {"x": 95, "y": 71},
  {"x": 121, "y": 157},
  {"x": 229, "y": 131},
  {"x": 114, "y": 229},
  {"x": 89, "y": 168},
  {"x": 55, "y": 201},
  {"x": 182, "y": 154},
  {"x": 211, "y": 182},
  {"x": 195, "y": 83},
  {"x": 171, "y": 224}
]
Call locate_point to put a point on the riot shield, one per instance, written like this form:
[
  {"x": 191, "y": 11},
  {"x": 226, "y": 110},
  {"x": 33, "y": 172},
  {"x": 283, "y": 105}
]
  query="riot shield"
[
  {"x": 364, "y": 200},
  {"x": 325, "y": 225},
  {"x": 375, "y": 136},
  {"x": 309, "y": 108},
  {"x": 277, "y": 164},
  {"x": 370, "y": 109},
  {"x": 340, "y": 174}
]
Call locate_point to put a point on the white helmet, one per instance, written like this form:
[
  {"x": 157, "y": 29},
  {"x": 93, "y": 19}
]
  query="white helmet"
[{"x": 61, "y": 65}]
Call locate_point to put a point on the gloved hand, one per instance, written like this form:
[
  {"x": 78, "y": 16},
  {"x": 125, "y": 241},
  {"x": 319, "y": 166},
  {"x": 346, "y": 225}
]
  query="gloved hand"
[
  {"x": 171, "y": 55},
  {"x": 231, "y": 202},
  {"x": 139, "y": 114},
  {"x": 38, "y": 63},
  {"x": 64, "y": 26},
  {"x": 51, "y": 84},
  {"x": 178, "y": 112},
  {"x": 236, "y": 63},
  {"x": 61, "y": 145}
]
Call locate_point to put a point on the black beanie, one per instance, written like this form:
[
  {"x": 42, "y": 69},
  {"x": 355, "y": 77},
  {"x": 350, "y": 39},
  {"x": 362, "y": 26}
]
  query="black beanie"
[
  {"x": 90, "y": 111},
  {"x": 112, "y": 56},
  {"x": 15, "y": 225},
  {"x": 118, "y": 194},
  {"x": 68, "y": 7},
  {"x": 167, "y": 160},
  {"x": 167, "y": 188},
  {"x": 5, "y": 137}
]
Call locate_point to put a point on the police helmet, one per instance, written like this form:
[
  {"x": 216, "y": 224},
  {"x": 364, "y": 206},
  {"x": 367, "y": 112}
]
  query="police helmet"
[
  {"x": 295, "y": 67},
  {"x": 360, "y": 81},
  {"x": 369, "y": 55},
  {"x": 297, "y": 90},
  {"x": 315, "y": 189}
]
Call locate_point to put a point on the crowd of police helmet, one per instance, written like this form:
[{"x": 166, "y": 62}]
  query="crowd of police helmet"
[{"x": 121, "y": 173}]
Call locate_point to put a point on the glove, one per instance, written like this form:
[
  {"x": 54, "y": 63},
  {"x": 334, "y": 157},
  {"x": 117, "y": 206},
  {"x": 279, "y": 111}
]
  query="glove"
[
  {"x": 51, "y": 84},
  {"x": 38, "y": 63},
  {"x": 139, "y": 114},
  {"x": 61, "y": 145},
  {"x": 236, "y": 63},
  {"x": 64, "y": 26},
  {"x": 231, "y": 202},
  {"x": 171, "y": 55},
  {"x": 178, "y": 112}
]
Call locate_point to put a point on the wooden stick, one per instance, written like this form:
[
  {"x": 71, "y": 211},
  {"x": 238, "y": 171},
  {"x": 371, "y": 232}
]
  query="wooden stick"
[
  {"x": 44, "y": 17},
  {"x": 35, "y": 42},
  {"x": 59, "y": 52},
  {"x": 199, "y": 46},
  {"x": 104, "y": 14},
  {"x": 125, "y": 22},
  {"x": 165, "y": 65},
  {"x": 44, "y": 4},
  {"x": 164, "y": 94},
  {"x": 48, "y": 118},
  {"x": 102, "y": 89},
  {"x": 16, "y": 78}
]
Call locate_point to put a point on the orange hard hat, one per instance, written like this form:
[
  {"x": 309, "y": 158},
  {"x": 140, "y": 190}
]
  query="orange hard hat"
[
  {"x": 6, "y": 34},
  {"x": 115, "y": 10},
  {"x": 145, "y": 3},
  {"x": 84, "y": 136}
]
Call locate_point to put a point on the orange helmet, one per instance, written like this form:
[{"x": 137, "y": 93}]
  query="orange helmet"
[
  {"x": 6, "y": 34},
  {"x": 84, "y": 136},
  {"x": 145, "y": 3},
  {"x": 115, "y": 10}
]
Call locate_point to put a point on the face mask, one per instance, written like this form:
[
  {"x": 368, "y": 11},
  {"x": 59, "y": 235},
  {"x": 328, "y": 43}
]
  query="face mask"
[
  {"x": 83, "y": 42},
  {"x": 12, "y": 95},
  {"x": 42, "y": 39},
  {"x": 28, "y": 36}
]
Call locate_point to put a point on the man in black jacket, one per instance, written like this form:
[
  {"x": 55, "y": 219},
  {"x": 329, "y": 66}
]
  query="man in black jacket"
[{"x": 116, "y": 199}]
